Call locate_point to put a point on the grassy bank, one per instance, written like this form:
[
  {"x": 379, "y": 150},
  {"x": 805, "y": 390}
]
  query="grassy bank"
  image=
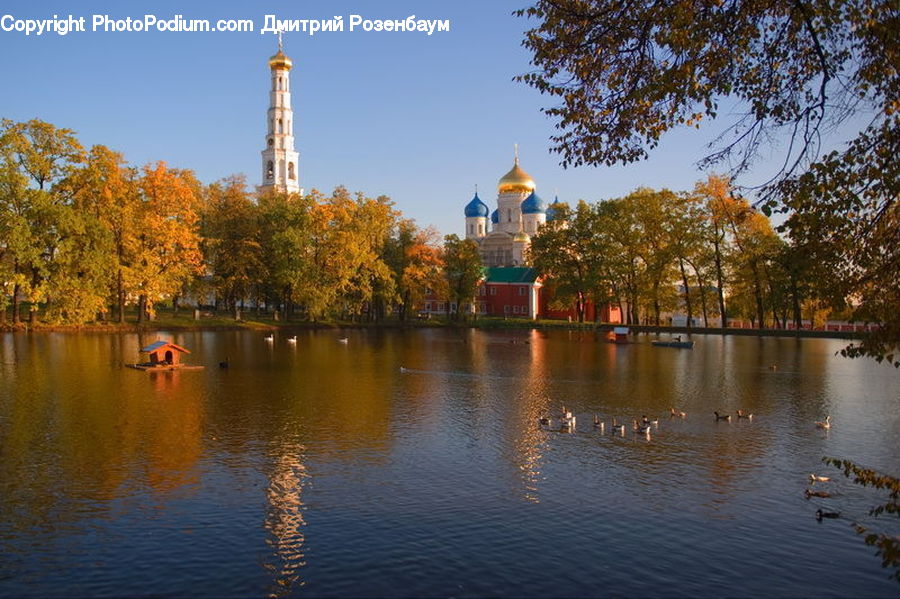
[{"x": 211, "y": 321}]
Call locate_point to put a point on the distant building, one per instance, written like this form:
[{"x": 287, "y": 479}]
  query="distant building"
[
  {"x": 280, "y": 162},
  {"x": 504, "y": 236},
  {"x": 515, "y": 292}
]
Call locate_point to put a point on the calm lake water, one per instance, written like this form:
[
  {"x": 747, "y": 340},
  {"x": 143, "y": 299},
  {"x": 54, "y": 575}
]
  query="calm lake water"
[{"x": 410, "y": 464}]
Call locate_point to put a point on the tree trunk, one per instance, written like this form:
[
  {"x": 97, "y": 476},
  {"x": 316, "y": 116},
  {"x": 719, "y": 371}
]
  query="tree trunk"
[
  {"x": 120, "y": 297},
  {"x": 687, "y": 293},
  {"x": 656, "y": 304},
  {"x": 757, "y": 292},
  {"x": 795, "y": 298},
  {"x": 15, "y": 304},
  {"x": 720, "y": 291},
  {"x": 142, "y": 308}
]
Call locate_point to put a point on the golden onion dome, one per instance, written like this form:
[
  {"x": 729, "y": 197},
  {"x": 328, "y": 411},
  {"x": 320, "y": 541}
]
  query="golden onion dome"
[
  {"x": 280, "y": 61},
  {"x": 521, "y": 237},
  {"x": 516, "y": 180}
]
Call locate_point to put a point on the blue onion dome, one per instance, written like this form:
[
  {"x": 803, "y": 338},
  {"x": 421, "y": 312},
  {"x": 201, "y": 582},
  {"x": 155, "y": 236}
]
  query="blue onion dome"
[
  {"x": 476, "y": 207},
  {"x": 495, "y": 217},
  {"x": 551, "y": 210},
  {"x": 533, "y": 204}
]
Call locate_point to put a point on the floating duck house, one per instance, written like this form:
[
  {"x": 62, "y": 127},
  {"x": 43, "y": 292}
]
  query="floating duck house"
[
  {"x": 618, "y": 335},
  {"x": 163, "y": 356}
]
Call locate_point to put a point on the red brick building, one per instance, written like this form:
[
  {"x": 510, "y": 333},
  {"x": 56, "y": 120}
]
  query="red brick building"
[{"x": 516, "y": 292}]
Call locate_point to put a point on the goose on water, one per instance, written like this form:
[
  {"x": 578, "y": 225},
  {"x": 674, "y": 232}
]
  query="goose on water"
[
  {"x": 726, "y": 417},
  {"x": 342, "y": 340},
  {"x": 815, "y": 478},
  {"x": 826, "y": 424},
  {"x": 544, "y": 420},
  {"x": 676, "y": 414},
  {"x": 641, "y": 429},
  {"x": 270, "y": 337},
  {"x": 617, "y": 428},
  {"x": 292, "y": 339},
  {"x": 648, "y": 421},
  {"x": 741, "y": 414},
  {"x": 598, "y": 424}
]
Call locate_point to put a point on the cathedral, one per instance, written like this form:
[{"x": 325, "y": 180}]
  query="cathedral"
[{"x": 519, "y": 214}]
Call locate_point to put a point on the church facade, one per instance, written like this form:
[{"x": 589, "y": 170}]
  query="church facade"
[{"x": 504, "y": 234}]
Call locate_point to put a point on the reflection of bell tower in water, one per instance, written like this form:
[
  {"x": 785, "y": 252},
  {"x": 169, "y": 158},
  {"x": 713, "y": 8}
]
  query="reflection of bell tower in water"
[
  {"x": 280, "y": 168},
  {"x": 284, "y": 518}
]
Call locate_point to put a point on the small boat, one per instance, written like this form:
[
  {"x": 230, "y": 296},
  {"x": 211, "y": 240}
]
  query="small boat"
[{"x": 676, "y": 342}]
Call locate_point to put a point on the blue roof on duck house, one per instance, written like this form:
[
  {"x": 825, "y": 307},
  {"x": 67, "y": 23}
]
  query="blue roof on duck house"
[{"x": 158, "y": 344}]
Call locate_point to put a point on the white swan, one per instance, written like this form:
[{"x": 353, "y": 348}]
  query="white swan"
[{"x": 826, "y": 424}]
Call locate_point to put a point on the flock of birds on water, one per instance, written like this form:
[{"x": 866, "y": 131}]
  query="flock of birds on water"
[{"x": 567, "y": 423}]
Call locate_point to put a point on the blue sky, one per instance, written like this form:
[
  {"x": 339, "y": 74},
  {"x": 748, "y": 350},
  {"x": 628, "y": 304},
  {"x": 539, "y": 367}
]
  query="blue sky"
[{"x": 420, "y": 119}]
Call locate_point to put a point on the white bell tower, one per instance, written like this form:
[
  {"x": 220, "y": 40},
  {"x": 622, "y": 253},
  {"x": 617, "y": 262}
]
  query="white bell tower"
[{"x": 280, "y": 162}]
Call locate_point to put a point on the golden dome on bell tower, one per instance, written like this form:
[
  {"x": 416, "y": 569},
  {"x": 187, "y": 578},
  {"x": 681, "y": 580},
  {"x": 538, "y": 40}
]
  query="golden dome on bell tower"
[
  {"x": 280, "y": 59},
  {"x": 516, "y": 179}
]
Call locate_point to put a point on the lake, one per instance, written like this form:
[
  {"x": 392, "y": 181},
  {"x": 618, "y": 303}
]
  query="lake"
[{"x": 411, "y": 463}]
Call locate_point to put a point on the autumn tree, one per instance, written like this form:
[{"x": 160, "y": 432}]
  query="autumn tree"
[
  {"x": 102, "y": 193},
  {"x": 168, "y": 243},
  {"x": 463, "y": 270},
  {"x": 416, "y": 264},
  {"x": 625, "y": 74}
]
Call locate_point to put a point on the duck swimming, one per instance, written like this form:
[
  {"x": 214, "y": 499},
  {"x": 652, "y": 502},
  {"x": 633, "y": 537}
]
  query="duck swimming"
[
  {"x": 814, "y": 478},
  {"x": 726, "y": 417},
  {"x": 673, "y": 413},
  {"x": 825, "y": 424},
  {"x": 823, "y": 514},
  {"x": 741, "y": 414},
  {"x": 809, "y": 493}
]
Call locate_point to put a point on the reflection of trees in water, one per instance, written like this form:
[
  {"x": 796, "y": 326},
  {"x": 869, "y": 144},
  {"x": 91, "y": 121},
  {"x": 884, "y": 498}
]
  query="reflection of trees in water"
[{"x": 284, "y": 519}]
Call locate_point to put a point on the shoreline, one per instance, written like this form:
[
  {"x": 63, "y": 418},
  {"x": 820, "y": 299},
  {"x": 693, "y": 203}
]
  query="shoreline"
[{"x": 482, "y": 323}]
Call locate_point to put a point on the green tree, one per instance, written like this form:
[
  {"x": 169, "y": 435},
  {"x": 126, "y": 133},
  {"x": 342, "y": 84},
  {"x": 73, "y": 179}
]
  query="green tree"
[
  {"x": 566, "y": 256},
  {"x": 627, "y": 73},
  {"x": 35, "y": 157},
  {"x": 463, "y": 270},
  {"x": 231, "y": 241}
]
